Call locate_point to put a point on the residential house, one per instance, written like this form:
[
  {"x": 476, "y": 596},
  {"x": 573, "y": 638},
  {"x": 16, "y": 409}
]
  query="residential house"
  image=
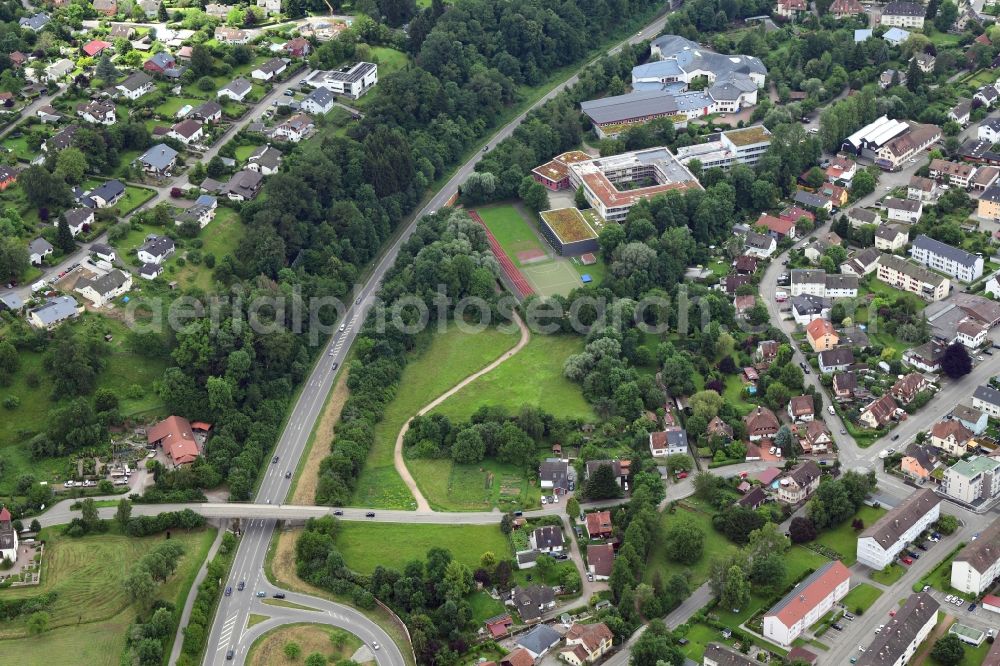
[
  {"x": 600, "y": 560},
  {"x": 745, "y": 264},
  {"x": 922, "y": 189},
  {"x": 47, "y": 114},
  {"x": 104, "y": 252},
  {"x": 228, "y": 35},
  {"x": 806, "y": 308},
  {"x": 599, "y": 524},
  {"x": 107, "y": 194},
  {"x": 903, "y": 633},
  {"x": 761, "y": 423},
  {"x": 158, "y": 160},
  {"x": 800, "y": 409},
  {"x": 978, "y": 564},
  {"x": 121, "y": 31},
  {"x": 901, "y": 274},
  {"x": 821, "y": 335},
  {"x": 270, "y": 6},
  {"x": 755, "y": 497},
  {"x": 236, "y": 90},
  {"x": 840, "y": 286},
  {"x": 986, "y": 95},
  {"x": 101, "y": 289},
  {"x": 953, "y": 261},
  {"x": 244, "y": 185},
  {"x": 987, "y": 399},
  {"x": 861, "y": 263},
  {"x": 973, "y": 419},
  {"x": 811, "y": 281},
  {"x": 835, "y": 193},
  {"x": 989, "y": 130},
  {"x": 200, "y": 213},
  {"x": 960, "y": 112},
  {"x": 530, "y": 602},
  {"x": 106, "y": 7},
  {"x": 209, "y": 112},
  {"x": 895, "y": 37},
  {"x": 38, "y": 249},
  {"x": 766, "y": 352},
  {"x": 925, "y": 62},
  {"x": 553, "y": 475},
  {"x": 952, "y": 437},
  {"x": 812, "y": 201},
  {"x": 841, "y": 169},
  {"x": 889, "y": 238},
  {"x": 844, "y": 385},
  {"x": 834, "y": 360},
  {"x": 975, "y": 480},
  {"x": 844, "y": 8},
  {"x": 671, "y": 440},
  {"x": 971, "y": 333},
  {"x": 790, "y": 8},
  {"x": 34, "y": 22},
  {"x": 265, "y": 160},
  {"x": 807, "y": 603},
  {"x": 539, "y": 640},
  {"x": 499, "y": 626},
  {"x": 878, "y": 413},
  {"x": 721, "y": 655},
  {"x": 8, "y": 537},
  {"x": 985, "y": 177},
  {"x": 882, "y": 541},
  {"x": 298, "y": 47},
  {"x": 902, "y": 14},
  {"x": 187, "y": 131},
  {"x": 858, "y": 217},
  {"x": 352, "y": 81},
  {"x": 761, "y": 246},
  {"x": 156, "y": 249},
  {"x": 719, "y": 428},
  {"x": 97, "y": 113},
  {"x": 270, "y": 70},
  {"x": 907, "y": 388},
  {"x": 547, "y": 539},
  {"x": 800, "y": 483},
  {"x": 816, "y": 438},
  {"x": 586, "y": 643},
  {"x": 162, "y": 63},
  {"x": 904, "y": 210},
  {"x": 94, "y": 47},
  {"x": 918, "y": 462},
  {"x": 176, "y": 437},
  {"x": 150, "y": 271},
  {"x": 55, "y": 311},
  {"x": 777, "y": 227},
  {"x": 295, "y": 128},
  {"x": 60, "y": 140},
  {"x": 136, "y": 85},
  {"x": 517, "y": 657},
  {"x": 320, "y": 101},
  {"x": 926, "y": 357},
  {"x": 954, "y": 173},
  {"x": 77, "y": 219}
]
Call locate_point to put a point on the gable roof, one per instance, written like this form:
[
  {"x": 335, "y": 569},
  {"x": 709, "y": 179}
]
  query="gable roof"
[
  {"x": 548, "y": 536},
  {"x": 754, "y": 497},
  {"x": 890, "y": 527},
  {"x": 955, "y": 254},
  {"x": 726, "y": 656},
  {"x": 894, "y": 641},
  {"x": 982, "y": 553},
  {"x": 817, "y": 328},
  {"x": 951, "y": 428},
  {"x": 805, "y": 473},
  {"x": 807, "y": 594},
  {"x": 836, "y": 357},
  {"x": 922, "y": 454},
  {"x": 601, "y": 557},
  {"x": 801, "y": 405},
  {"x": 881, "y": 408},
  {"x": 598, "y": 522}
]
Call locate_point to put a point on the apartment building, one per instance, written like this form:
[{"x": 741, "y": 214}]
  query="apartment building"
[
  {"x": 901, "y": 274},
  {"x": 975, "y": 568},
  {"x": 896, "y": 644},
  {"x": 903, "y": 15},
  {"x": 973, "y": 481},
  {"x": 807, "y": 603},
  {"x": 987, "y": 400},
  {"x": 959, "y": 264},
  {"x": 954, "y": 173},
  {"x": 879, "y": 545}
]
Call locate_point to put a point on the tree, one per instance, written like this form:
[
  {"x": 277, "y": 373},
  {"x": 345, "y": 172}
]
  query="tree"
[
  {"x": 705, "y": 404},
  {"x": 316, "y": 659},
  {"x": 38, "y": 622},
  {"x": 684, "y": 540},
  {"x": 161, "y": 13},
  {"x": 201, "y": 61},
  {"x": 488, "y": 560},
  {"x": 139, "y": 585},
  {"x": 947, "y": 524},
  {"x": 768, "y": 571},
  {"x": 863, "y": 183},
  {"x": 64, "y": 237},
  {"x": 35, "y": 526},
  {"x": 469, "y": 447},
  {"x": 507, "y": 523},
  {"x": 956, "y": 361},
  {"x": 736, "y": 591},
  {"x": 533, "y": 194},
  {"x": 71, "y": 164},
  {"x": 656, "y": 646},
  {"x": 89, "y": 515},
  {"x": 544, "y": 564},
  {"x": 124, "y": 513},
  {"x": 106, "y": 71},
  {"x": 572, "y": 507},
  {"x": 946, "y": 15},
  {"x": 737, "y": 523},
  {"x": 215, "y": 167},
  {"x": 14, "y": 261},
  {"x": 948, "y": 650},
  {"x": 783, "y": 440},
  {"x": 602, "y": 484},
  {"x": 801, "y": 530},
  {"x": 580, "y": 199}
]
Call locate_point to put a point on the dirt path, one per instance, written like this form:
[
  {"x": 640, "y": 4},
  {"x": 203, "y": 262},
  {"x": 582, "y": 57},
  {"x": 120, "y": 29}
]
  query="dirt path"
[{"x": 398, "y": 461}]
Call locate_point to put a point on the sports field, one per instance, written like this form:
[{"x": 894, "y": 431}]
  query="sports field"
[{"x": 548, "y": 276}]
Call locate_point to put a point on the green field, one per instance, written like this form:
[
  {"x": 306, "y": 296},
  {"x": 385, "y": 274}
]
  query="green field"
[
  {"x": 244, "y": 152},
  {"x": 861, "y": 596},
  {"x": 532, "y": 377},
  {"x": 364, "y": 545},
  {"x": 844, "y": 539},
  {"x": 268, "y": 650},
  {"x": 511, "y": 229},
  {"x": 451, "y": 487},
  {"x": 219, "y": 238},
  {"x": 123, "y": 369},
  {"x": 889, "y": 575},
  {"x": 389, "y": 60},
  {"x": 91, "y": 613},
  {"x": 716, "y": 545},
  {"x": 443, "y": 360},
  {"x": 172, "y": 105}
]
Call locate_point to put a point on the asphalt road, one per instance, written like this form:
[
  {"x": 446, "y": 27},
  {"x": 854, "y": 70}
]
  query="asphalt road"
[{"x": 234, "y": 610}]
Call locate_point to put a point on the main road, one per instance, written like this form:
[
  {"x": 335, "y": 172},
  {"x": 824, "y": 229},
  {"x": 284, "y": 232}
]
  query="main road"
[{"x": 228, "y": 630}]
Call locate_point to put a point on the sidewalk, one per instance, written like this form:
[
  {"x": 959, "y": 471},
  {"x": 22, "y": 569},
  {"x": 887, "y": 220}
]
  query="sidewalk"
[{"x": 175, "y": 653}]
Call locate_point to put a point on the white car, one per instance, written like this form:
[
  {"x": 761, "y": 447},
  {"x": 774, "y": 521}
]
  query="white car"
[
  {"x": 375, "y": 645},
  {"x": 545, "y": 500},
  {"x": 949, "y": 598},
  {"x": 772, "y": 450},
  {"x": 880, "y": 628}
]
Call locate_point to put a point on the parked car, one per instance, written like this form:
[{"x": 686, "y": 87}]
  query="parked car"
[
  {"x": 972, "y": 607},
  {"x": 838, "y": 627},
  {"x": 907, "y": 560},
  {"x": 848, "y": 616}
]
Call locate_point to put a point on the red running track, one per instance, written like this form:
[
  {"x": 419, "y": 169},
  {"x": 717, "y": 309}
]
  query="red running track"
[{"x": 514, "y": 275}]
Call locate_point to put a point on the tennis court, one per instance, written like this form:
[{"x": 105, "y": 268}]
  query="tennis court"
[{"x": 552, "y": 277}]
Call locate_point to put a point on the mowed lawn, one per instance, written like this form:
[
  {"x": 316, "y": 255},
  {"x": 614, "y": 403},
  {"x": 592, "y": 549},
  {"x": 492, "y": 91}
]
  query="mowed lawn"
[
  {"x": 716, "y": 545},
  {"x": 512, "y": 231},
  {"x": 448, "y": 486},
  {"x": 269, "y": 649},
  {"x": 844, "y": 539},
  {"x": 91, "y": 613},
  {"x": 219, "y": 238},
  {"x": 533, "y": 376},
  {"x": 368, "y": 545},
  {"x": 861, "y": 596},
  {"x": 444, "y": 360}
]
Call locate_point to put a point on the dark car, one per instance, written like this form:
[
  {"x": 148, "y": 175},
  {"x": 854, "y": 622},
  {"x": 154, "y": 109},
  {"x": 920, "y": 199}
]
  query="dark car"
[
  {"x": 229, "y": 590},
  {"x": 972, "y": 607},
  {"x": 335, "y": 365},
  {"x": 838, "y": 627},
  {"x": 241, "y": 586},
  {"x": 338, "y": 512},
  {"x": 370, "y": 514},
  {"x": 562, "y": 556},
  {"x": 921, "y": 546},
  {"x": 229, "y": 654},
  {"x": 274, "y": 460},
  {"x": 895, "y": 437},
  {"x": 288, "y": 475},
  {"x": 278, "y": 595}
]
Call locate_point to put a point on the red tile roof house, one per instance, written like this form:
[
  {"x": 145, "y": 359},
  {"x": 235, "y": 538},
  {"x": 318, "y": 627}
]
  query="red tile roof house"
[
  {"x": 600, "y": 560},
  {"x": 807, "y": 603},
  {"x": 298, "y": 47},
  {"x": 499, "y": 625},
  {"x": 766, "y": 351},
  {"x": 816, "y": 438},
  {"x": 761, "y": 423},
  {"x": 599, "y": 524},
  {"x": 907, "y": 388},
  {"x": 800, "y": 483},
  {"x": 879, "y": 412},
  {"x": 777, "y": 227},
  {"x": 519, "y": 657},
  {"x": 174, "y": 434},
  {"x": 800, "y": 409},
  {"x": 796, "y": 213},
  {"x": 586, "y": 643}
]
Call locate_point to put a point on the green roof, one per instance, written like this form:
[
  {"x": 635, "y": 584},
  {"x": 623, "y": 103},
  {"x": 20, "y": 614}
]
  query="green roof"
[{"x": 975, "y": 466}]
